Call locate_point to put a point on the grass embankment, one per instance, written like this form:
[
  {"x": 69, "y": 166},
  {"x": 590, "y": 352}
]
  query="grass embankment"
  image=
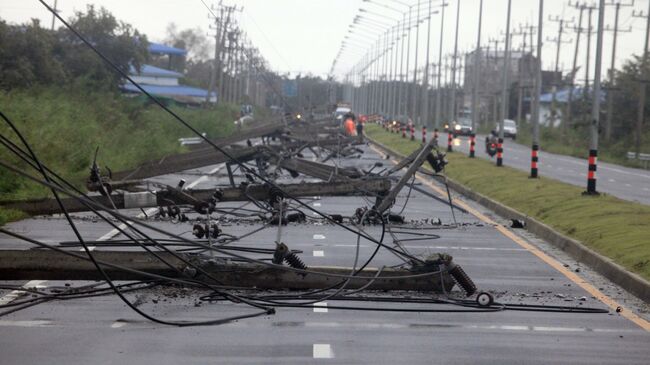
[
  {"x": 613, "y": 227},
  {"x": 64, "y": 127}
]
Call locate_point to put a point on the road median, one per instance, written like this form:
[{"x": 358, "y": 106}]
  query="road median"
[{"x": 608, "y": 234}]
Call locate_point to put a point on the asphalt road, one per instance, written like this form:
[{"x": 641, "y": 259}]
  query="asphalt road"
[
  {"x": 103, "y": 331},
  {"x": 619, "y": 181}
]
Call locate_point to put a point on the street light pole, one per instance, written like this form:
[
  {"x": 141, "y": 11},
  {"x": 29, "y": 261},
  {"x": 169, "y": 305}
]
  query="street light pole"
[
  {"x": 438, "y": 91},
  {"x": 504, "y": 89},
  {"x": 595, "y": 107},
  {"x": 425, "y": 80},
  {"x": 538, "y": 93},
  {"x": 401, "y": 67},
  {"x": 476, "y": 74},
  {"x": 415, "y": 67},
  {"x": 408, "y": 63},
  {"x": 453, "y": 112}
]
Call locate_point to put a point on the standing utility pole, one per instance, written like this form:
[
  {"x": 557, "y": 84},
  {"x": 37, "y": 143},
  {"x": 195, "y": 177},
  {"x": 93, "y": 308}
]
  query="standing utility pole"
[
  {"x": 439, "y": 83},
  {"x": 612, "y": 68},
  {"x": 425, "y": 86},
  {"x": 454, "y": 109},
  {"x": 415, "y": 68},
  {"x": 590, "y": 10},
  {"x": 538, "y": 93},
  {"x": 642, "y": 83},
  {"x": 218, "y": 23},
  {"x": 54, "y": 11},
  {"x": 574, "y": 69},
  {"x": 476, "y": 68},
  {"x": 523, "y": 31},
  {"x": 556, "y": 79},
  {"x": 595, "y": 107},
  {"x": 504, "y": 89}
]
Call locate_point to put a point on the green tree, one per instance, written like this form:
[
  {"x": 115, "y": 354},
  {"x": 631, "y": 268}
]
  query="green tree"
[
  {"x": 26, "y": 56},
  {"x": 31, "y": 55},
  {"x": 119, "y": 41}
]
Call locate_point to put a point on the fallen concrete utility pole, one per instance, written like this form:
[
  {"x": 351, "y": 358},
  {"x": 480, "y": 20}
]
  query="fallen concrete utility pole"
[
  {"x": 319, "y": 170},
  {"x": 263, "y": 129},
  {"x": 51, "y": 265},
  {"x": 208, "y": 156},
  {"x": 171, "y": 197},
  {"x": 389, "y": 199},
  {"x": 183, "y": 161}
]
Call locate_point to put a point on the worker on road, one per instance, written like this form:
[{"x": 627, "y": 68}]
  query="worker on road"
[
  {"x": 360, "y": 130},
  {"x": 348, "y": 124}
]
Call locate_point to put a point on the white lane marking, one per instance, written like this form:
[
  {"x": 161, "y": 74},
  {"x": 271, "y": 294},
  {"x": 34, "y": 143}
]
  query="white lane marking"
[
  {"x": 121, "y": 227},
  {"x": 197, "y": 181},
  {"x": 15, "y": 294},
  {"x": 35, "y": 323},
  {"x": 320, "y": 307},
  {"x": 628, "y": 185},
  {"x": 611, "y": 180},
  {"x": 323, "y": 351},
  {"x": 118, "y": 324},
  {"x": 316, "y": 204},
  {"x": 646, "y": 189},
  {"x": 319, "y": 237},
  {"x": 467, "y": 248},
  {"x": 366, "y": 325},
  {"x": 205, "y": 177},
  {"x": 445, "y": 247},
  {"x": 319, "y": 253}
]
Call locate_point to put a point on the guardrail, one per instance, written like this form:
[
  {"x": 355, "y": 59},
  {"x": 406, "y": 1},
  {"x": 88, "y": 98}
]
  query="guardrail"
[{"x": 643, "y": 157}]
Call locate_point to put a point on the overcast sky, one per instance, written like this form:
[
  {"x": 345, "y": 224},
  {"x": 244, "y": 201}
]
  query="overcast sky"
[{"x": 304, "y": 36}]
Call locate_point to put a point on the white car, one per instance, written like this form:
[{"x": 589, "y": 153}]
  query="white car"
[{"x": 509, "y": 128}]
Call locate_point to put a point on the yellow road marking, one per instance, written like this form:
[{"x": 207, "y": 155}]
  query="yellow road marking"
[{"x": 592, "y": 290}]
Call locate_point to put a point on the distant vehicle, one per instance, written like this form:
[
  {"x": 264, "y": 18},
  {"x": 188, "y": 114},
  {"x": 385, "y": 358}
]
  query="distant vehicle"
[
  {"x": 245, "y": 110},
  {"x": 491, "y": 144},
  {"x": 340, "y": 112},
  {"x": 463, "y": 127},
  {"x": 509, "y": 128},
  {"x": 396, "y": 122}
]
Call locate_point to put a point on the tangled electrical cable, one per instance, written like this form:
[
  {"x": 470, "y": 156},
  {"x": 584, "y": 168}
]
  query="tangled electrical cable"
[{"x": 136, "y": 236}]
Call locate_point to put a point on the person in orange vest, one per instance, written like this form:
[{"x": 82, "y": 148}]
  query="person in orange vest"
[{"x": 349, "y": 124}]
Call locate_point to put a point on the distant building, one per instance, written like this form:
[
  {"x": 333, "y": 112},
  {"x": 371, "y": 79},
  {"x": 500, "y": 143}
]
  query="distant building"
[
  {"x": 164, "y": 83},
  {"x": 521, "y": 72},
  {"x": 521, "y": 79},
  {"x": 561, "y": 100}
]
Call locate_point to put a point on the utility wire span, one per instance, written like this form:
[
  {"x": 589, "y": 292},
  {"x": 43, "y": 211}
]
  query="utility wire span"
[{"x": 204, "y": 138}]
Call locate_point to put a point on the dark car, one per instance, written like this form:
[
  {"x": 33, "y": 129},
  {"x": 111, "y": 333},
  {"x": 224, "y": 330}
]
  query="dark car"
[{"x": 463, "y": 127}]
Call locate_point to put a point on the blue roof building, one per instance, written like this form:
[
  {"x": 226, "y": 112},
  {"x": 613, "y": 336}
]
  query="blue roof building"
[
  {"x": 165, "y": 83},
  {"x": 162, "y": 49}
]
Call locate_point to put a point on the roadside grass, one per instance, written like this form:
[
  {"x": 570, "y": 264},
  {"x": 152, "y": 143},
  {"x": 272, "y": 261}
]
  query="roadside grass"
[
  {"x": 64, "y": 127},
  {"x": 612, "y": 227}
]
